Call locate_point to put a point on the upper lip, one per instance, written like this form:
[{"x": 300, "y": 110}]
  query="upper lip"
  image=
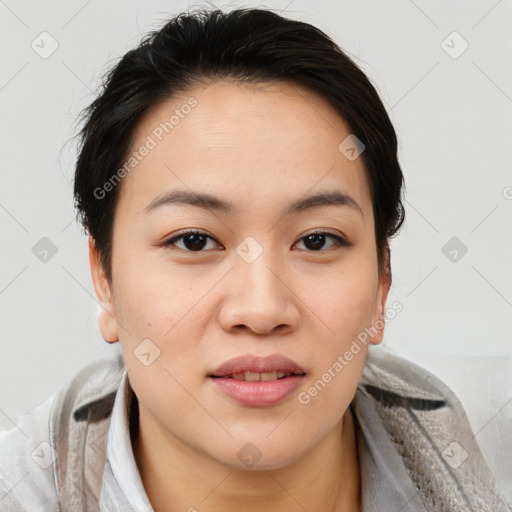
[{"x": 257, "y": 364}]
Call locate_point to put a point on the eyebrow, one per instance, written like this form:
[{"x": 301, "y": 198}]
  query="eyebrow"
[{"x": 208, "y": 201}]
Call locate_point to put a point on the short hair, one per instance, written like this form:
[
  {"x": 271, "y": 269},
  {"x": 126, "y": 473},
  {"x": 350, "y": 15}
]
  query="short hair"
[{"x": 249, "y": 45}]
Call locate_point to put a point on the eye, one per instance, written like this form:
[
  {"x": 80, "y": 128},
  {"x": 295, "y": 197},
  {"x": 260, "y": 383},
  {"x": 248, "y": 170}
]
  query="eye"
[
  {"x": 316, "y": 240},
  {"x": 193, "y": 241},
  {"x": 196, "y": 241}
]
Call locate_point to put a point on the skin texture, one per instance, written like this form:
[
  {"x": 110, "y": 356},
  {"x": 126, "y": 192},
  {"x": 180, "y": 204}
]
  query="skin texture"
[{"x": 260, "y": 147}]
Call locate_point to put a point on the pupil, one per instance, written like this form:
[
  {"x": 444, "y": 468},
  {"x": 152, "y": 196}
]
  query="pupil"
[
  {"x": 194, "y": 241},
  {"x": 318, "y": 238}
]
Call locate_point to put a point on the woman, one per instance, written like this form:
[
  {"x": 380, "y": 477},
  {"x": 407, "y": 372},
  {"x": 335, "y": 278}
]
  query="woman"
[{"x": 239, "y": 183}]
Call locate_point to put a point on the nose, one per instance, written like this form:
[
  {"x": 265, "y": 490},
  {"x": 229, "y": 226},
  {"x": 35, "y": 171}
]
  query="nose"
[{"x": 259, "y": 298}]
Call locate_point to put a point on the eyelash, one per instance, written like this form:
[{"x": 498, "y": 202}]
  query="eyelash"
[{"x": 340, "y": 242}]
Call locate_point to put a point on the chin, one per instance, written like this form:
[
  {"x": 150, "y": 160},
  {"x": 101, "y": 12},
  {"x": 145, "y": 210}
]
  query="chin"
[{"x": 261, "y": 455}]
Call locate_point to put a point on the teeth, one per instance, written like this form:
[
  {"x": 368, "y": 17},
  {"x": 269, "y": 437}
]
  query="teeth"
[{"x": 254, "y": 376}]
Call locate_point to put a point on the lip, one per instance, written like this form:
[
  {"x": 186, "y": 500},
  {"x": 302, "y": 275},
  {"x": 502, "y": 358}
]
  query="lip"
[
  {"x": 257, "y": 393},
  {"x": 257, "y": 364}
]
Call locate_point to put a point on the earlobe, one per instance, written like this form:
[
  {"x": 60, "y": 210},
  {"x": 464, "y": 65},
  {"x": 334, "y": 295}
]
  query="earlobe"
[
  {"x": 106, "y": 315},
  {"x": 379, "y": 321},
  {"x": 378, "y": 330}
]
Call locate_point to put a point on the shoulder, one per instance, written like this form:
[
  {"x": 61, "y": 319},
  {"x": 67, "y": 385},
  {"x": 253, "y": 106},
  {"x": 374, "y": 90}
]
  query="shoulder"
[
  {"x": 42, "y": 456},
  {"x": 430, "y": 430},
  {"x": 26, "y": 462}
]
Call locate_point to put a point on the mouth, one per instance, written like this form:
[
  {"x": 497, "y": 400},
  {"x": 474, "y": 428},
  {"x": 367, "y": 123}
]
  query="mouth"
[
  {"x": 258, "y": 382},
  {"x": 253, "y": 367},
  {"x": 256, "y": 376}
]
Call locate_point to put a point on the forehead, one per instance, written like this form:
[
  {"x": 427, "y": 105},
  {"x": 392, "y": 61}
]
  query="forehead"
[{"x": 251, "y": 142}]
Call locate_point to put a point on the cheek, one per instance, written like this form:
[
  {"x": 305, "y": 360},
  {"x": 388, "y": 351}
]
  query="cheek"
[
  {"x": 344, "y": 304},
  {"x": 150, "y": 302},
  {"x": 162, "y": 316},
  {"x": 339, "y": 356},
  {"x": 345, "y": 310}
]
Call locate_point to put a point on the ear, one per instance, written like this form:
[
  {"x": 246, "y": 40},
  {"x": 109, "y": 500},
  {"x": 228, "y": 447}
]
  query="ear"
[
  {"x": 107, "y": 321},
  {"x": 378, "y": 321}
]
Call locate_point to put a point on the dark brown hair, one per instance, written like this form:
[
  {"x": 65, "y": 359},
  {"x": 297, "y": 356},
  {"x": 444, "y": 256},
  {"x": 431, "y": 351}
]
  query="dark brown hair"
[{"x": 252, "y": 45}]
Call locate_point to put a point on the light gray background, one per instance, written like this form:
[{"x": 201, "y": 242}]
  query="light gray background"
[{"x": 453, "y": 117}]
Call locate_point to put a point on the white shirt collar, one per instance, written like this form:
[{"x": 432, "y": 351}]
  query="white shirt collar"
[{"x": 119, "y": 449}]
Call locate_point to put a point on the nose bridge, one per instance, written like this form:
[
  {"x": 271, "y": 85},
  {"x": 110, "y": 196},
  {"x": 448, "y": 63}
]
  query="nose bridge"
[
  {"x": 257, "y": 296},
  {"x": 256, "y": 268}
]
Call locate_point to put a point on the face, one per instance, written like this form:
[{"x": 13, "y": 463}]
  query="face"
[{"x": 254, "y": 279}]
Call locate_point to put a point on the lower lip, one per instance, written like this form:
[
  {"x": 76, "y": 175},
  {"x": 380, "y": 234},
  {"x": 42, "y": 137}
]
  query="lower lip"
[{"x": 258, "y": 393}]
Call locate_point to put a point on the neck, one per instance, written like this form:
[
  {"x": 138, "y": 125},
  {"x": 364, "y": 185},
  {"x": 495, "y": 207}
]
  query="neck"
[{"x": 178, "y": 478}]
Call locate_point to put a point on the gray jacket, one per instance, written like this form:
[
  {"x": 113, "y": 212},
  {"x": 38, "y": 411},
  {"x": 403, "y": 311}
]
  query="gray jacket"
[{"x": 416, "y": 448}]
